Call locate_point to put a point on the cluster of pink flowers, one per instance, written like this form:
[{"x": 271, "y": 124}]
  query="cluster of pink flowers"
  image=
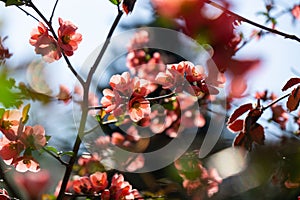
[
  {"x": 18, "y": 141},
  {"x": 97, "y": 184},
  {"x": 197, "y": 180},
  {"x": 140, "y": 61},
  {"x": 185, "y": 76},
  {"x": 49, "y": 46},
  {"x": 128, "y": 96}
]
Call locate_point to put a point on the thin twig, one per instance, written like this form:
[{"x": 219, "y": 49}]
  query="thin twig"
[
  {"x": 91, "y": 130},
  {"x": 160, "y": 97},
  {"x": 52, "y": 14},
  {"x": 240, "y": 18},
  {"x": 276, "y": 101},
  {"x": 28, "y": 14},
  {"x": 56, "y": 157}
]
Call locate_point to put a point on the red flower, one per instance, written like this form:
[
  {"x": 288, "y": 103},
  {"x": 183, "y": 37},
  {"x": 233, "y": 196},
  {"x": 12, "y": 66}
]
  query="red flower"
[
  {"x": 10, "y": 151},
  {"x": 296, "y": 11},
  {"x": 82, "y": 185},
  {"x": 45, "y": 44},
  {"x": 99, "y": 181},
  {"x": 34, "y": 137},
  {"x": 138, "y": 108},
  {"x": 68, "y": 39},
  {"x": 26, "y": 163},
  {"x": 33, "y": 183}
]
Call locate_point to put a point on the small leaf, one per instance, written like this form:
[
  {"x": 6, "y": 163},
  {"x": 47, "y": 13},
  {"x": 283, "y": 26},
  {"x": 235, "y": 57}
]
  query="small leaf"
[
  {"x": 291, "y": 83},
  {"x": 51, "y": 149},
  {"x": 128, "y": 5},
  {"x": 68, "y": 153},
  {"x": 115, "y": 2},
  {"x": 25, "y": 113},
  {"x": 239, "y": 111},
  {"x": 257, "y": 134},
  {"x": 236, "y": 126},
  {"x": 252, "y": 118},
  {"x": 48, "y": 137},
  {"x": 14, "y": 3},
  {"x": 239, "y": 139},
  {"x": 293, "y": 100}
]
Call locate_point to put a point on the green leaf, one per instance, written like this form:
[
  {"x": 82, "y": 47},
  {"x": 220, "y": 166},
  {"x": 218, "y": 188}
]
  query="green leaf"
[
  {"x": 51, "y": 149},
  {"x": 13, "y": 2},
  {"x": 8, "y": 96},
  {"x": 25, "y": 113},
  {"x": 48, "y": 137},
  {"x": 2, "y": 111},
  {"x": 68, "y": 153},
  {"x": 115, "y": 2}
]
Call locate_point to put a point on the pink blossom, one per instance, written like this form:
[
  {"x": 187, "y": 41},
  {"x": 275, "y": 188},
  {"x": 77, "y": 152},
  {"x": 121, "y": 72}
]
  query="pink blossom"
[
  {"x": 122, "y": 83},
  {"x": 105, "y": 195},
  {"x": 48, "y": 48},
  {"x": 138, "y": 108},
  {"x": 99, "y": 181},
  {"x": 44, "y": 43},
  {"x": 110, "y": 100},
  {"x": 37, "y": 33},
  {"x": 10, "y": 151},
  {"x": 64, "y": 94},
  {"x": 82, "y": 185},
  {"x": 33, "y": 183},
  {"x": 173, "y": 8},
  {"x": 26, "y": 163},
  {"x": 68, "y": 39},
  {"x": 68, "y": 188},
  {"x": 119, "y": 188},
  {"x": 9, "y": 124},
  {"x": 136, "y": 163},
  {"x": 117, "y": 139},
  {"x": 139, "y": 40},
  {"x": 34, "y": 137},
  {"x": 296, "y": 11}
]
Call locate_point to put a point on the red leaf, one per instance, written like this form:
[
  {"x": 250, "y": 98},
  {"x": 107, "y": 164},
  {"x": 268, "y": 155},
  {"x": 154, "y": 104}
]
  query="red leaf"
[
  {"x": 252, "y": 118},
  {"x": 236, "y": 126},
  {"x": 128, "y": 5},
  {"x": 239, "y": 140},
  {"x": 239, "y": 111},
  {"x": 257, "y": 134},
  {"x": 291, "y": 83},
  {"x": 294, "y": 99}
]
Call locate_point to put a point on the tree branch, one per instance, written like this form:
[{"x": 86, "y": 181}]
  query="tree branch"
[
  {"x": 52, "y": 14},
  {"x": 28, "y": 14},
  {"x": 85, "y": 109},
  {"x": 243, "y": 19}
]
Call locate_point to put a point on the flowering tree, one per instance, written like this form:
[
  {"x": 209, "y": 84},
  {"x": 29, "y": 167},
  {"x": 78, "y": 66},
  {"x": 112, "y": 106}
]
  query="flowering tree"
[{"x": 159, "y": 128}]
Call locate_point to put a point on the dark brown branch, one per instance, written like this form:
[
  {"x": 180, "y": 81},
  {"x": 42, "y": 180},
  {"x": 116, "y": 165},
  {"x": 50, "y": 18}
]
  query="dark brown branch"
[
  {"x": 243, "y": 19},
  {"x": 27, "y": 13},
  {"x": 276, "y": 101},
  {"x": 53, "y": 10}
]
